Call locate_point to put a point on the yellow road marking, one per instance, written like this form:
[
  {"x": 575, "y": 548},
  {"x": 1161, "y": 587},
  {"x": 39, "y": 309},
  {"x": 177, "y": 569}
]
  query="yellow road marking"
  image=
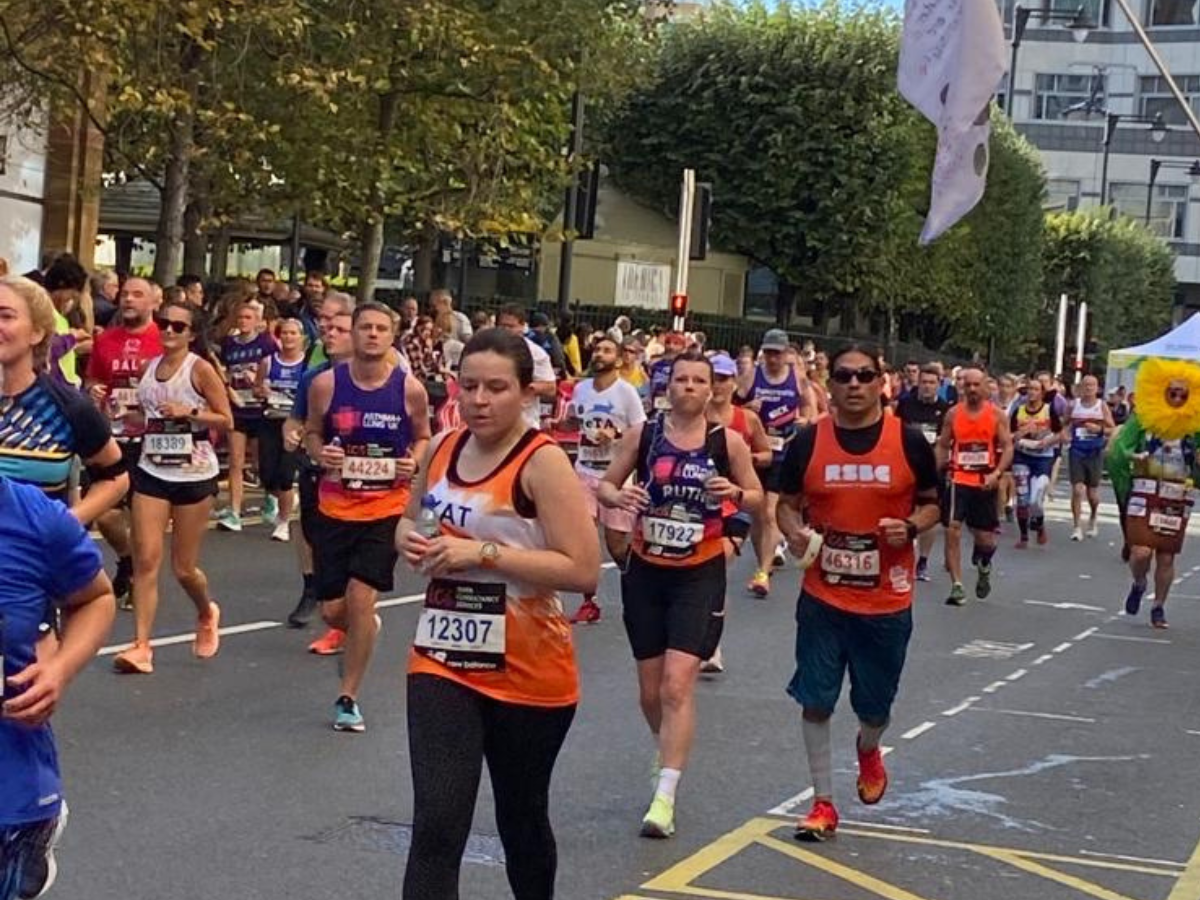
[
  {"x": 1017, "y": 861},
  {"x": 680, "y": 876},
  {"x": 1188, "y": 885},
  {"x": 855, "y": 877}
]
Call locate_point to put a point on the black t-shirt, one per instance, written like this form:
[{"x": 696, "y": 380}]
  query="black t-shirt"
[
  {"x": 927, "y": 417},
  {"x": 859, "y": 441}
]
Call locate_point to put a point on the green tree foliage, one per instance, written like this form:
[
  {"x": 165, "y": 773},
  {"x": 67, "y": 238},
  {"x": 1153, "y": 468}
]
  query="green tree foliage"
[{"x": 1124, "y": 273}]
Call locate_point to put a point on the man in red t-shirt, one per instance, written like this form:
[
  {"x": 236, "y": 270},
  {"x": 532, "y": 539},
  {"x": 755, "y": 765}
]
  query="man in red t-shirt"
[{"x": 119, "y": 357}]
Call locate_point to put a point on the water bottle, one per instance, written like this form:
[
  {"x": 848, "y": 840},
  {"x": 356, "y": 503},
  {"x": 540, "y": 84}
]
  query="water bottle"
[
  {"x": 334, "y": 475},
  {"x": 427, "y": 521}
]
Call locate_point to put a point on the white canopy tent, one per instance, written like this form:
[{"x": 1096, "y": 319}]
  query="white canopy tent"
[{"x": 1181, "y": 343}]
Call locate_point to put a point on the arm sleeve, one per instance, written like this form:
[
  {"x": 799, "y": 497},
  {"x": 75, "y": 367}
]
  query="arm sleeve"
[
  {"x": 794, "y": 465},
  {"x": 921, "y": 459},
  {"x": 76, "y": 557}
]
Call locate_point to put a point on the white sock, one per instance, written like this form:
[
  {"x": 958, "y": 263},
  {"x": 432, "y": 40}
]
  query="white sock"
[
  {"x": 668, "y": 781},
  {"x": 869, "y": 736},
  {"x": 818, "y": 746}
]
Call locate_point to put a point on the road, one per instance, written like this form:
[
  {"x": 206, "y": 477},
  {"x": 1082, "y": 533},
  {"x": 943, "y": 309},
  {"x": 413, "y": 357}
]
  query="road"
[{"x": 1041, "y": 748}]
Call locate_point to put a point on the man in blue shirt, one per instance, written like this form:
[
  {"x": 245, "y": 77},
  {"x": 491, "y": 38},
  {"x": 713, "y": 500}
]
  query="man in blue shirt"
[{"x": 47, "y": 561}]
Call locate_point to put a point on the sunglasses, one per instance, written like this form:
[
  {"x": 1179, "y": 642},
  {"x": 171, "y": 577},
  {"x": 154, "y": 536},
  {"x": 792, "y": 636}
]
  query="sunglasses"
[
  {"x": 173, "y": 325},
  {"x": 862, "y": 376}
]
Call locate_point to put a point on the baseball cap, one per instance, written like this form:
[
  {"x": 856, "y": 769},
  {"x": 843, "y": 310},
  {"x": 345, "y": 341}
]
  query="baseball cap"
[
  {"x": 775, "y": 339},
  {"x": 539, "y": 320},
  {"x": 724, "y": 366}
]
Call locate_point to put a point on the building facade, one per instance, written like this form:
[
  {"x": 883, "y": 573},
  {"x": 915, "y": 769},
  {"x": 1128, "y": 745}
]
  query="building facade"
[
  {"x": 22, "y": 194},
  {"x": 1065, "y": 91}
]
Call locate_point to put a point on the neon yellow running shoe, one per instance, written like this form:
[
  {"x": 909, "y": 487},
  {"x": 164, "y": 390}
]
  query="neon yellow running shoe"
[{"x": 659, "y": 821}]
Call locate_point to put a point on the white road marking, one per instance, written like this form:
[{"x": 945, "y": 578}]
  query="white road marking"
[
  {"x": 1085, "y": 634},
  {"x": 1065, "y": 645},
  {"x": 966, "y": 704},
  {"x": 1045, "y": 657},
  {"x": 1083, "y": 577},
  {"x": 993, "y": 687},
  {"x": 1130, "y": 637},
  {"x": 918, "y": 731},
  {"x": 1197, "y": 733},
  {"x": 1133, "y": 859},
  {"x": 981, "y": 649},
  {"x": 191, "y": 636},
  {"x": 1017, "y": 675},
  {"x": 1057, "y": 717},
  {"x": 880, "y": 826},
  {"x": 1080, "y": 606}
]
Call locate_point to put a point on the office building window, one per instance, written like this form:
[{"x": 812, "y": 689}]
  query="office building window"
[
  {"x": 1171, "y": 12},
  {"x": 1155, "y": 97},
  {"x": 1168, "y": 206},
  {"x": 1062, "y": 194},
  {"x": 1079, "y": 98},
  {"x": 1097, "y": 10}
]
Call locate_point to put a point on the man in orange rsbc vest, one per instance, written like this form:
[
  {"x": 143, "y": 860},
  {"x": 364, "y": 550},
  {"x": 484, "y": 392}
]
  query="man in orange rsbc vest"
[
  {"x": 860, "y": 486},
  {"x": 975, "y": 450}
]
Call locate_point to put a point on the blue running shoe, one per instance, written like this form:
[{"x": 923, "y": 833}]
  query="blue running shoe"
[
  {"x": 1158, "y": 617},
  {"x": 1133, "y": 602},
  {"x": 347, "y": 716}
]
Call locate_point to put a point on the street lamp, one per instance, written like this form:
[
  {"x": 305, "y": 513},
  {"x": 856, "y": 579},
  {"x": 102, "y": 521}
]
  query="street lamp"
[
  {"x": 1192, "y": 169},
  {"x": 1158, "y": 132},
  {"x": 1079, "y": 23}
]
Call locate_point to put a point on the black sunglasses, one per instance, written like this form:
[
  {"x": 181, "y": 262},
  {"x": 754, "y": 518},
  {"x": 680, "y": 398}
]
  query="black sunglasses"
[
  {"x": 165, "y": 324},
  {"x": 862, "y": 376}
]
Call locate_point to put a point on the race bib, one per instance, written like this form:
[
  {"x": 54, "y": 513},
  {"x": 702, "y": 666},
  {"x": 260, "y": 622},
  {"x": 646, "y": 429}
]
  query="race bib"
[
  {"x": 126, "y": 397},
  {"x": 463, "y": 625},
  {"x": 672, "y": 534},
  {"x": 972, "y": 459},
  {"x": 1083, "y": 434},
  {"x": 244, "y": 397},
  {"x": 595, "y": 453},
  {"x": 775, "y": 442},
  {"x": 1166, "y": 523},
  {"x": 369, "y": 472},
  {"x": 931, "y": 432},
  {"x": 850, "y": 560},
  {"x": 546, "y": 408},
  {"x": 168, "y": 442},
  {"x": 281, "y": 401},
  {"x": 662, "y": 403}
]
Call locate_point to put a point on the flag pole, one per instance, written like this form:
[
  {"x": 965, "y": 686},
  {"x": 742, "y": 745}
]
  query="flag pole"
[{"x": 1162, "y": 66}]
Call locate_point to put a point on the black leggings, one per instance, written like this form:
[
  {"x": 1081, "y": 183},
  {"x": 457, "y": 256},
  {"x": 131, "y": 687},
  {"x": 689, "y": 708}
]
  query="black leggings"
[
  {"x": 451, "y": 730},
  {"x": 276, "y": 466}
]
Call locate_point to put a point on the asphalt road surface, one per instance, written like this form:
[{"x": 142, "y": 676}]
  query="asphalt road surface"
[{"x": 1043, "y": 746}]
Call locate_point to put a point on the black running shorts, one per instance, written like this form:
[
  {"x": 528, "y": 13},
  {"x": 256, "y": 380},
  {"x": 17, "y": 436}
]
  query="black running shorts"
[
  {"x": 972, "y": 506},
  {"x": 673, "y": 607},
  {"x": 364, "y": 551}
]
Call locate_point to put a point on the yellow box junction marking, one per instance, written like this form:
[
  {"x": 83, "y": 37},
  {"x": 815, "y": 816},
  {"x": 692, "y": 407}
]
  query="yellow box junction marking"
[{"x": 760, "y": 832}]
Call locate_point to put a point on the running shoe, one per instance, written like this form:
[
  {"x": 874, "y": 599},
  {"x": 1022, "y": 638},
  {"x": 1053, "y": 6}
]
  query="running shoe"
[
  {"x": 780, "y": 558},
  {"x": 347, "y": 716},
  {"x": 331, "y": 643},
  {"x": 229, "y": 520},
  {"x": 1077, "y": 534},
  {"x": 659, "y": 821},
  {"x": 1158, "y": 617},
  {"x": 820, "y": 823},
  {"x": 872, "y": 776},
  {"x": 137, "y": 660},
  {"x": 208, "y": 634},
  {"x": 282, "y": 532},
  {"x": 587, "y": 614},
  {"x": 923, "y": 570},
  {"x": 958, "y": 596},
  {"x": 1043, "y": 537},
  {"x": 760, "y": 584},
  {"x": 305, "y": 607},
  {"x": 1133, "y": 600},
  {"x": 714, "y": 665},
  {"x": 270, "y": 510},
  {"x": 1022, "y": 544},
  {"x": 983, "y": 582},
  {"x": 41, "y": 869},
  {"x": 1093, "y": 529}
]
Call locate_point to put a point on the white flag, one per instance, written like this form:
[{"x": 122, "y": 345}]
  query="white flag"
[{"x": 951, "y": 62}]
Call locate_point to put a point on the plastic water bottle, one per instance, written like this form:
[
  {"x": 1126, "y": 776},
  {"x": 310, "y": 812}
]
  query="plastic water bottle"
[
  {"x": 427, "y": 521},
  {"x": 334, "y": 475}
]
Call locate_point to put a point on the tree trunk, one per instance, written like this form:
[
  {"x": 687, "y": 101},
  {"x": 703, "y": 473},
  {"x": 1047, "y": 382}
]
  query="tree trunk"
[
  {"x": 372, "y": 238},
  {"x": 423, "y": 260},
  {"x": 195, "y": 240},
  {"x": 219, "y": 265},
  {"x": 785, "y": 303},
  {"x": 169, "y": 234}
]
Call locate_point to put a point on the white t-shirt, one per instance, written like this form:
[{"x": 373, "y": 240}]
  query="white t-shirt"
[
  {"x": 618, "y": 407},
  {"x": 542, "y": 371}
]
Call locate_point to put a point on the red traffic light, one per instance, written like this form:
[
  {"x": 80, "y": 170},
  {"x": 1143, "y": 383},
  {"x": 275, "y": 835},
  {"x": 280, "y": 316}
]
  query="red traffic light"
[{"x": 679, "y": 304}]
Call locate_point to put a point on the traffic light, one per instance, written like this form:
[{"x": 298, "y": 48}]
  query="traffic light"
[
  {"x": 701, "y": 221},
  {"x": 679, "y": 305}
]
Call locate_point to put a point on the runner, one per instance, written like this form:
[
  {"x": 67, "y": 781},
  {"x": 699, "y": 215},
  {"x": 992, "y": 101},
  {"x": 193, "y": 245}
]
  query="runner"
[
  {"x": 368, "y": 424},
  {"x": 175, "y": 481},
  {"x": 46, "y": 560},
  {"x": 509, "y": 536},
  {"x": 975, "y": 448},
  {"x": 605, "y": 407},
  {"x": 512, "y": 319},
  {"x": 1152, "y": 464},
  {"x": 45, "y": 425},
  {"x": 1090, "y": 426},
  {"x": 275, "y": 387},
  {"x": 783, "y": 399},
  {"x": 335, "y": 346},
  {"x": 660, "y": 371},
  {"x": 1007, "y": 400},
  {"x": 863, "y": 487},
  {"x": 241, "y": 355},
  {"x": 119, "y": 357},
  {"x": 747, "y": 425},
  {"x": 1037, "y": 434},
  {"x": 674, "y": 588},
  {"x": 923, "y": 409}
]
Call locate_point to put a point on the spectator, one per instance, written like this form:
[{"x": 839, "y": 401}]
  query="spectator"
[
  {"x": 193, "y": 290},
  {"x": 410, "y": 310},
  {"x": 654, "y": 346},
  {"x": 620, "y": 330},
  {"x": 481, "y": 320},
  {"x": 105, "y": 287},
  {"x": 65, "y": 281},
  {"x": 541, "y": 335},
  {"x": 632, "y": 369},
  {"x": 441, "y": 302},
  {"x": 570, "y": 344},
  {"x": 265, "y": 282}
]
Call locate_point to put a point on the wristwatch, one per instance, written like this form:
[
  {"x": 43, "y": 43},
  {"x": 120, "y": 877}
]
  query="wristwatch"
[
  {"x": 193, "y": 412},
  {"x": 488, "y": 554},
  {"x": 912, "y": 529}
]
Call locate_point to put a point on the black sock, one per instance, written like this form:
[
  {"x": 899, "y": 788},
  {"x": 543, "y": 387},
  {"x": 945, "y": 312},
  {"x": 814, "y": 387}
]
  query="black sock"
[
  {"x": 1038, "y": 524},
  {"x": 308, "y": 581},
  {"x": 984, "y": 555},
  {"x": 1023, "y": 523},
  {"x": 125, "y": 564},
  {"x": 923, "y": 561}
]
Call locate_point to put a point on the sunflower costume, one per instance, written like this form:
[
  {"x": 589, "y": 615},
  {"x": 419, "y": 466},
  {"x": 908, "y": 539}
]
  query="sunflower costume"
[{"x": 1152, "y": 459}]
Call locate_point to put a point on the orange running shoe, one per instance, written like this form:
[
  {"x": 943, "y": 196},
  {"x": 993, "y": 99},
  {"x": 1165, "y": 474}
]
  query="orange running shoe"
[
  {"x": 760, "y": 584},
  {"x": 587, "y": 614},
  {"x": 137, "y": 660},
  {"x": 820, "y": 823},
  {"x": 872, "y": 776},
  {"x": 330, "y": 643},
  {"x": 208, "y": 635},
  {"x": 1043, "y": 537}
]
